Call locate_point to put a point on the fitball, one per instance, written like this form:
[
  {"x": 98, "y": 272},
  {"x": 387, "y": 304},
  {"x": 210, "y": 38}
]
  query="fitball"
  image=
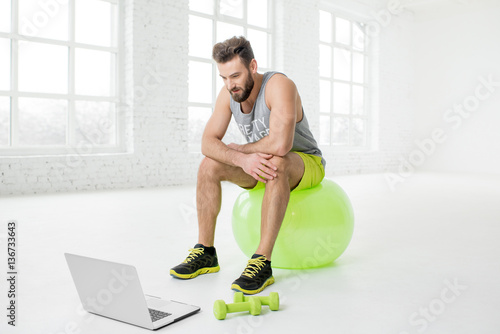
[{"x": 316, "y": 230}]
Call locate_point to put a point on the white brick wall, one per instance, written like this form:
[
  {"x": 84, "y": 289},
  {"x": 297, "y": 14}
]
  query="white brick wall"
[
  {"x": 296, "y": 50},
  {"x": 297, "y": 55},
  {"x": 157, "y": 46},
  {"x": 156, "y": 121}
]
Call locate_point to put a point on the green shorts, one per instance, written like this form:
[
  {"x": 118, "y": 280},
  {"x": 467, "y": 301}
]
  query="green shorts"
[{"x": 314, "y": 172}]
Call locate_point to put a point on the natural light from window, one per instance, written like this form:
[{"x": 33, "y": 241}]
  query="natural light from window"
[
  {"x": 211, "y": 22},
  {"x": 58, "y": 76},
  {"x": 343, "y": 85}
]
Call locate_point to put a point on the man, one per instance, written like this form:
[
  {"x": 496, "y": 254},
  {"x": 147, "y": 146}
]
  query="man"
[{"x": 281, "y": 155}]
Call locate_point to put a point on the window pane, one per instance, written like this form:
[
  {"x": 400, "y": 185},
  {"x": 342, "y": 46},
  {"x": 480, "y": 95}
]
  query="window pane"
[
  {"x": 198, "y": 118},
  {"x": 325, "y": 26},
  {"x": 324, "y": 130},
  {"x": 325, "y": 61},
  {"x": 340, "y": 131},
  {"x": 232, "y": 8},
  {"x": 42, "y": 121},
  {"x": 226, "y": 30},
  {"x": 342, "y": 31},
  {"x": 258, "y": 40},
  {"x": 95, "y": 22},
  {"x": 93, "y": 71},
  {"x": 200, "y": 37},
  {"x": 4, "y": 64},
  {"x": 257, "y": 13},
  {"x": 341, "y": 64},
  {"x": 48, "y": 19},
  {"x": 358, "y": 100},
  {"x": 358, "y": 37},
  {"x": 5, "y": 16},
  {"x": 358, "y": 133},
  {"x": 202, "y": 6},
  {"x": 4, "y": 120},
  {"x": 43, "y": 68},
  {"x": 324, "y": 96},
  {"x": 358, "y": 67},
  {"x": 200, "y": 82},
  {"x": 95, "y": 123},
  {"x": 341, "y": 98}
]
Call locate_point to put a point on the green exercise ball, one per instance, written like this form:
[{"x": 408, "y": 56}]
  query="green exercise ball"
[{"x": 316, "y": 230}]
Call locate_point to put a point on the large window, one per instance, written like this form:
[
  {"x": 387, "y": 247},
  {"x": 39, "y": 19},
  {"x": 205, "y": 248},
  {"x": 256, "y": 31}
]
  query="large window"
[
  {"x": 59, "y": 66},
  {"x": 343, "y": 85},
  {"x": 212, "y": 21}
]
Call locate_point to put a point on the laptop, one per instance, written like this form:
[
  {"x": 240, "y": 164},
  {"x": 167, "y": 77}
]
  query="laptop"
[{"x": 113, "y": 290}]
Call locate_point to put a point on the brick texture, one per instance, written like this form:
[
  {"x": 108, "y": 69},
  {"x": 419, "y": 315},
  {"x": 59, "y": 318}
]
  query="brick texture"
[{"x": 154, "y": 111}]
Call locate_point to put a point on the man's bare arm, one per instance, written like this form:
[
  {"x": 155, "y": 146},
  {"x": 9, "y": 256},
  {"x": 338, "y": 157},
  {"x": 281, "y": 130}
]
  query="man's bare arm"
[
  {"x": 256, "y": 164},
  {"x": 211, "y": 142}
]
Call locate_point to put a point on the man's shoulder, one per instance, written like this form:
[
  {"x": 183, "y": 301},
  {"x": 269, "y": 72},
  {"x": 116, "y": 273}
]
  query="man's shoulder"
[
  {"x": 279, "y": 81},
  {"x": 272, "y": 75}
]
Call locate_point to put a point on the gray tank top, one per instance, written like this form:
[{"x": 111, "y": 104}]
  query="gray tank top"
[{"x": 255, "y": 125}]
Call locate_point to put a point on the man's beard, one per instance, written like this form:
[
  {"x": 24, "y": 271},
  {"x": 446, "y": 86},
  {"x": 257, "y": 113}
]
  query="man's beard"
[{"x": 245, "y": 92}]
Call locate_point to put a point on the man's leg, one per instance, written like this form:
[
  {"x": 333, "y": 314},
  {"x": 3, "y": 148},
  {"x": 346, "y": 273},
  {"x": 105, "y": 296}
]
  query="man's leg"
[
  {"x": 276, "y": 197},
  {"x": 258, "y": 273},
  {"x": 203, "y": 257},
  {"x": 209, "y": 194}
]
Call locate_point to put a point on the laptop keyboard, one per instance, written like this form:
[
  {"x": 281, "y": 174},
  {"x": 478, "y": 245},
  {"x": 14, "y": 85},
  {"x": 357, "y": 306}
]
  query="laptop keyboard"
[{"x": 157, "y": 315}]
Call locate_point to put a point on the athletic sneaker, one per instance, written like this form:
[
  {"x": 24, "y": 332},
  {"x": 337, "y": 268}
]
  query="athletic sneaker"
[
  {"x": 201, "y": 260},
  {"x": 256, "y": 276}
]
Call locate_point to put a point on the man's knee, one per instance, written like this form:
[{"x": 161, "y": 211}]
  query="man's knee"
[
  {"x": 283, "y": 166},
  {"x": 209, "y": 168},
  {"x": 279, "y": 162},
  {"x": 290, "y": 168}
]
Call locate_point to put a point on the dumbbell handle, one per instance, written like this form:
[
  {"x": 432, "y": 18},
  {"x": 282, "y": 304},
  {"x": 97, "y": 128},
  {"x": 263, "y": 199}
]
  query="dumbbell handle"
[
  {"x": 238, "y": 307},
  {"x": 263, "y": 300},
  {"x": 221, "y": 308},
  {"x": 272, "y": 300}
]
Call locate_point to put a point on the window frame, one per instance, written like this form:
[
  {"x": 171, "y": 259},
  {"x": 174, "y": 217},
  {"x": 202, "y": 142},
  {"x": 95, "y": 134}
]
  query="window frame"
[
  {"x": 367, "y": 85},
  {"x": 71, "y": 146},
  {"x": 216, "y": 17}
]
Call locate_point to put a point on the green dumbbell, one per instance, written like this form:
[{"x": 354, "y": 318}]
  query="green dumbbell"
[
  {"x": 221, "y": 308},
  {"x": 273, "y": 300}
]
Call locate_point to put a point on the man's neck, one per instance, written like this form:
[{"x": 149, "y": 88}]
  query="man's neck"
[{"x": 247, "y": 105}]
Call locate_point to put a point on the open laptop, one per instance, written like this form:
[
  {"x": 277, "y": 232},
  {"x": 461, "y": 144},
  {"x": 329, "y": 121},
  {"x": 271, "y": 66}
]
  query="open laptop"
[{"x": 113, "y": 290}]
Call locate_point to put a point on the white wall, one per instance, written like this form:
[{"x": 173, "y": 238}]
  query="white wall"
[
  {"x": 157, "y": 47},
  {"x": 453, "y": 53}
]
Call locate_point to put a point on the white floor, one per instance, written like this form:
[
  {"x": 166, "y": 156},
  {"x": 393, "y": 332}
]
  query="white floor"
[{"x": 424, "y": 258}]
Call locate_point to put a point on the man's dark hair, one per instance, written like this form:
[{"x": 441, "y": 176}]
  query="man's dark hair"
[{"x": 227, "y": 50}]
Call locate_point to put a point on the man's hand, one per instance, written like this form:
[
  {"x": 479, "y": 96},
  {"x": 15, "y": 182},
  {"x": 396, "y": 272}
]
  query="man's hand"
[{"x": 259, "y": 166}]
